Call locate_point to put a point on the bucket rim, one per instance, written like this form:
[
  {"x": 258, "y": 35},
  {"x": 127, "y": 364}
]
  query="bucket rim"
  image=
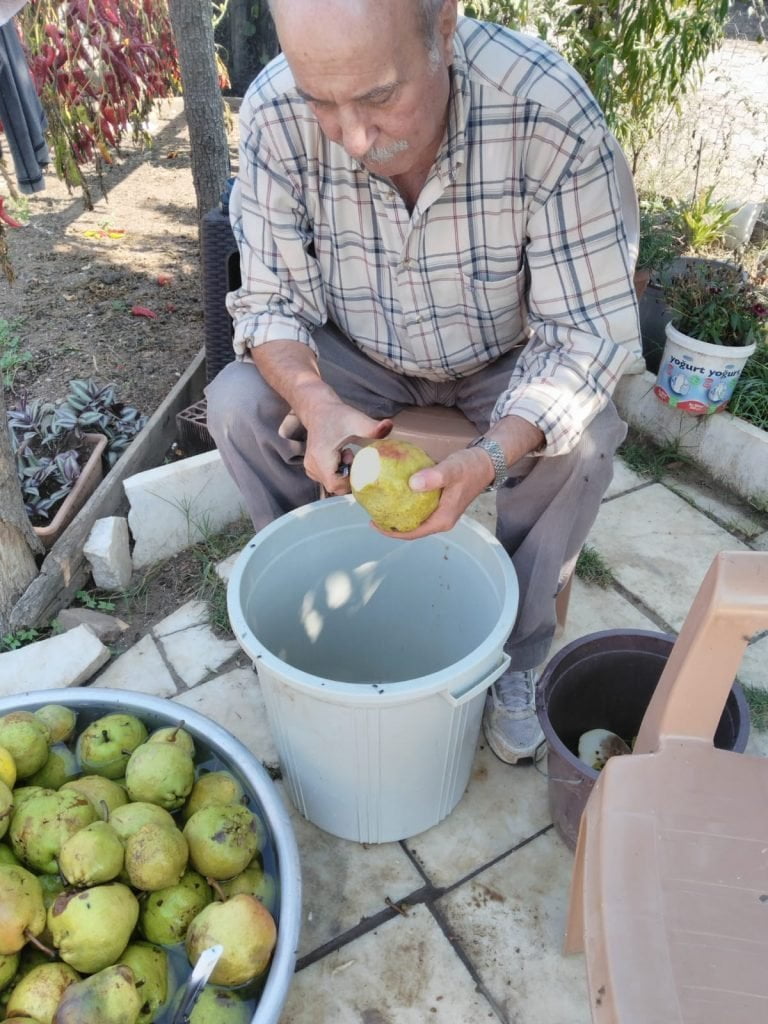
[
  {"x": 466, "y": 670},
  {"x": 555, "y": 743},
  {"x": 552, "y": 737}
]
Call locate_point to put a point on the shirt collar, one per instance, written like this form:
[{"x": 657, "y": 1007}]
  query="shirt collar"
[{"x": 451, "y": 155}]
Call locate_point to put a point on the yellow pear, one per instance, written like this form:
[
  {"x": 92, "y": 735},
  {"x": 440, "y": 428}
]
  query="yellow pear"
[
  {"x": 245, "y": 929},
  {"x": 379, "y": 480}
]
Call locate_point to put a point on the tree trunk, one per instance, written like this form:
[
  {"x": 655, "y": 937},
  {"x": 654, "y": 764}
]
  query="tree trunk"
[
  {"x": 249, "y": 34},
  {"x": 192, "y": 22},
  {"x": 17, "y": 538}
]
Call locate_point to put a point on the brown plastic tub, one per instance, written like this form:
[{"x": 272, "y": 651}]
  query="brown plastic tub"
[{"x": 605, "y": 680}]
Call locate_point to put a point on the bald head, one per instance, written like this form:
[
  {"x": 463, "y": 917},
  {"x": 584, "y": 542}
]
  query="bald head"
[
  {"x": 377, "y": 85},
  {"x": 426, "y": 12}
]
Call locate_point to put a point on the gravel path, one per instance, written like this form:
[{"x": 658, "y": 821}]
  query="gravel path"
[{"x": 721, "y": 135}]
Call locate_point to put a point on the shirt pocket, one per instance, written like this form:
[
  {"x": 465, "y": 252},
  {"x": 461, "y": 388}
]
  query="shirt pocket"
[{"x": 493, "y": 313}]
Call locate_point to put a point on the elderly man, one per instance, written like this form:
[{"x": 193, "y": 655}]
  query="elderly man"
[{"x": 427, "y": 213}]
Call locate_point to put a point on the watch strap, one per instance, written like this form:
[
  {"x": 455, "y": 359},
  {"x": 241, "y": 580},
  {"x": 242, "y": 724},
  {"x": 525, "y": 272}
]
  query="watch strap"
[{"x": 497, "y": 456}]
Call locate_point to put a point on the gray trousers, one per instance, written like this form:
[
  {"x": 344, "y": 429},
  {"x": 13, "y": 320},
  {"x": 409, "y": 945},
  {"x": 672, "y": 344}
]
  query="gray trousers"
[{"x": 544, "y": 512}]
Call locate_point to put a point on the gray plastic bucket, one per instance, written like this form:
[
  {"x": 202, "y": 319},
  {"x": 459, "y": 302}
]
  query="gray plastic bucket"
[
  {"x": 374, "y": 656},
  {"x": 605, "y": 680}
]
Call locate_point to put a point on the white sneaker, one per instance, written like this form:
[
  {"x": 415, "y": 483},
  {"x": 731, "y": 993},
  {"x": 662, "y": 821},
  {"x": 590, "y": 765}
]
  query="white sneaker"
[{"x": 510, "y": 723}]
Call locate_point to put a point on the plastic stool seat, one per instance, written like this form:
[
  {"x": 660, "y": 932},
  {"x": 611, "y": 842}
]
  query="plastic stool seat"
[
  {"x": 669, "y": 897},
  {"x": 438, "y": 429}
]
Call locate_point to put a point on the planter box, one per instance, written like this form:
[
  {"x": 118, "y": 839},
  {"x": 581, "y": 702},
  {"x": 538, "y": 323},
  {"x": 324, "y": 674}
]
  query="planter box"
[
  {"x": 65, "y": 569},
  {"x": 90, "y": 477},
  {"x": 732, "y": 451}
]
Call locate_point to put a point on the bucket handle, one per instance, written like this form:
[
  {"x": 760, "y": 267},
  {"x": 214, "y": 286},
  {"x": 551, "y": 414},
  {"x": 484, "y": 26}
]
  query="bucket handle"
[{"x": 459, "y": 697}]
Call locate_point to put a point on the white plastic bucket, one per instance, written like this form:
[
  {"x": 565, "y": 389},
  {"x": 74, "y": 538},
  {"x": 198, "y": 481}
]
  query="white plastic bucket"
[
  {"x": 697, "y": 377},
  {"x": 374, "y": 656}
]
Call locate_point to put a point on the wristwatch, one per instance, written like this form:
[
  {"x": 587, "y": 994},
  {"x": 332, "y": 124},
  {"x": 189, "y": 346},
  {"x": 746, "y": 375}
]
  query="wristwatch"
[{"x": 498, "y": 458}]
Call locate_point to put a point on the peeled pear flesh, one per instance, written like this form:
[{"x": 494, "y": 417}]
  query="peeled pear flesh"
[
  {"x": 597, "y": 745},
  {"x": 379, "y": 480}
]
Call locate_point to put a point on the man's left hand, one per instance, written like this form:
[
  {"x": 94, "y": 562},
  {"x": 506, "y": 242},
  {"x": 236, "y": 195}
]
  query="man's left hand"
[{"x": 461, "y": 477}]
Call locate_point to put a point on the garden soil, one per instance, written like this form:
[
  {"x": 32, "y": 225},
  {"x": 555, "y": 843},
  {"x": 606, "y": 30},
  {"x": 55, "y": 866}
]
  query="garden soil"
[
  {"x": 83, "y": 277},
  {"x": 80, "y": 276}
]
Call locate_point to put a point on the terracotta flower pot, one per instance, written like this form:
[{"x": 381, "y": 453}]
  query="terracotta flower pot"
[{"x": 89, "y": 479}]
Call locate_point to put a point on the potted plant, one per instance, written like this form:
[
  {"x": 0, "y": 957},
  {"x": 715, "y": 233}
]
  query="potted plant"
[
  {"x": 60, "y": 451},
  {"x": 718, "y": 316},
  {"x": 661, "y": 243}
]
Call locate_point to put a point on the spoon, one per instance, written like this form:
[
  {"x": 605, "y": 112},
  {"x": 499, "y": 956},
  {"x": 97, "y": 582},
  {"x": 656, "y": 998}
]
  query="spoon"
[{"x": 196, "y": 982}]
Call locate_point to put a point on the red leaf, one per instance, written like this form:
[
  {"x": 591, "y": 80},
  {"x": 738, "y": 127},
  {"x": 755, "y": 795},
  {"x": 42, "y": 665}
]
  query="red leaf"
[
  {"x": 143, "y": 311},
  {"x": 163, "y": 279},
  {"x": 6, "y": 217}
]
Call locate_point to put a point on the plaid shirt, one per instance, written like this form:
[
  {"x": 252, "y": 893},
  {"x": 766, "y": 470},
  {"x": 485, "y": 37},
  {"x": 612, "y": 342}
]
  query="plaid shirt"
[{"x": 517, "y": 237}]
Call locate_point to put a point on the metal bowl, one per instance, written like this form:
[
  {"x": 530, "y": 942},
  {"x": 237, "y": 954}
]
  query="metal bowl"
[{"x": 212, "y": 742}]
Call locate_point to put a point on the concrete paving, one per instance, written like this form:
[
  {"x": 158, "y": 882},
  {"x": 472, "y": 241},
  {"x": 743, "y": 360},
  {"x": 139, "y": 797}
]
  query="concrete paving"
[{"x": 463, "y": 923}]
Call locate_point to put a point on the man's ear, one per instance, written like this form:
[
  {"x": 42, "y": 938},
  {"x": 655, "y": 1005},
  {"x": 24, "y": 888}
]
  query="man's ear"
[{"x": 446, "y": 26}]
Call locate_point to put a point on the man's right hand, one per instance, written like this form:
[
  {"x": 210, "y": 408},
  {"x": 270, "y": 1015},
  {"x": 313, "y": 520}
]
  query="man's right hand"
[
  {"x": 291, "y": 369},
  {"x": 332, "y": 425}
]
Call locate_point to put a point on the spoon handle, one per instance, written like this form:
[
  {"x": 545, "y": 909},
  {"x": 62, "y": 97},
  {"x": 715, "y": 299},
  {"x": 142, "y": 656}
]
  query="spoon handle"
[{"x": 196, "y": 982}]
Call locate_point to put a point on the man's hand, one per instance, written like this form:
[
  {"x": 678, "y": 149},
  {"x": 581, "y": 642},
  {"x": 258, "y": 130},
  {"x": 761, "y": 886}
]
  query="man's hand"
[
  {"x": 330, "y": 426},
  {"x": 461, "y": 476},
  {"x": 466, "y": 474},
  {"x": 291, "y": 369}
]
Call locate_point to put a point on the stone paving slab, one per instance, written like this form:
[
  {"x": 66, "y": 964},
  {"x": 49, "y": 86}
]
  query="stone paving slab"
[
  {"x": 235, "y": 701},
  {"x": 708, "y": 501},
  {"x": 624, "y": 479},
  {"x": 193, "y": 613},
  {"x": 141, "y": 668},
  {"x": 225, "y": 567},
  {"x": 345, "y": 882},
  {"x": 659, "y": 548},
  {"x": 178, "y": 504},
  {"x": 68, "y": 659},
  {"x": 403, "y": 972},
  {"x": 511, "y": 804},
  {"x": 196, "y": 652},
  {"x": 511, "y": 921},
  {"x": 592, "y": 609}
]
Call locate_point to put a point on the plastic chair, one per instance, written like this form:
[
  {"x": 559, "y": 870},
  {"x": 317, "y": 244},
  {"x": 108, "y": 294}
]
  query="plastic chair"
[{"x": 670, "y": 887}]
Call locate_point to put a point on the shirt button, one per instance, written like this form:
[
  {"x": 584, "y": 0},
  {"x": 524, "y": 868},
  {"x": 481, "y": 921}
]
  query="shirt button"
[
  {"x": 409, "y": 263},
  {"x": 417, "y": 320}
]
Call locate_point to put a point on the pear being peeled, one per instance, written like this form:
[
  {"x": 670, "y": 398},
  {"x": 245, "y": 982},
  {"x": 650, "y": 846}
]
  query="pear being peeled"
[{"x": 379, "y": 480}]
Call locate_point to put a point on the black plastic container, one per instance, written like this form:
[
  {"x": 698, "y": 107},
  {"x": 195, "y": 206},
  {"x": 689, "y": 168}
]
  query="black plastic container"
[
  {"x": 220, "y": 261},
  {"x": 605, "y": 680}
]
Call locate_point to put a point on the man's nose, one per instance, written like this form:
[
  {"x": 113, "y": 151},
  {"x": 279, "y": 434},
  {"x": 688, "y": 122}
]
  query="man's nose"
[{"x": 357, "y": 135}]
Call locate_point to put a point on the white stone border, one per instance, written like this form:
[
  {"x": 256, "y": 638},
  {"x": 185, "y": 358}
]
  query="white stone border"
[{"x": 732, "y": 451}]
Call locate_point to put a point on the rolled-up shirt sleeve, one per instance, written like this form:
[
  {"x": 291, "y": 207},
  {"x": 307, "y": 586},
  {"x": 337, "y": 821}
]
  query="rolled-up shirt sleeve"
[
  {"x": 280, "y": 297},
  {"x": 582, "y": 307}
]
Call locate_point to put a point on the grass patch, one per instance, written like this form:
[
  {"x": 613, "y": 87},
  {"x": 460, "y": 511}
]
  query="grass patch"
[
  {"x": 750, "y": 397},
  {"x": 651, "y": 460},
  {"x": 12, "y": 357},
  {"x": 757, "y": 702},
  {"x": 591, "y": 568},
  {"x": 212, "y": 589}
]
